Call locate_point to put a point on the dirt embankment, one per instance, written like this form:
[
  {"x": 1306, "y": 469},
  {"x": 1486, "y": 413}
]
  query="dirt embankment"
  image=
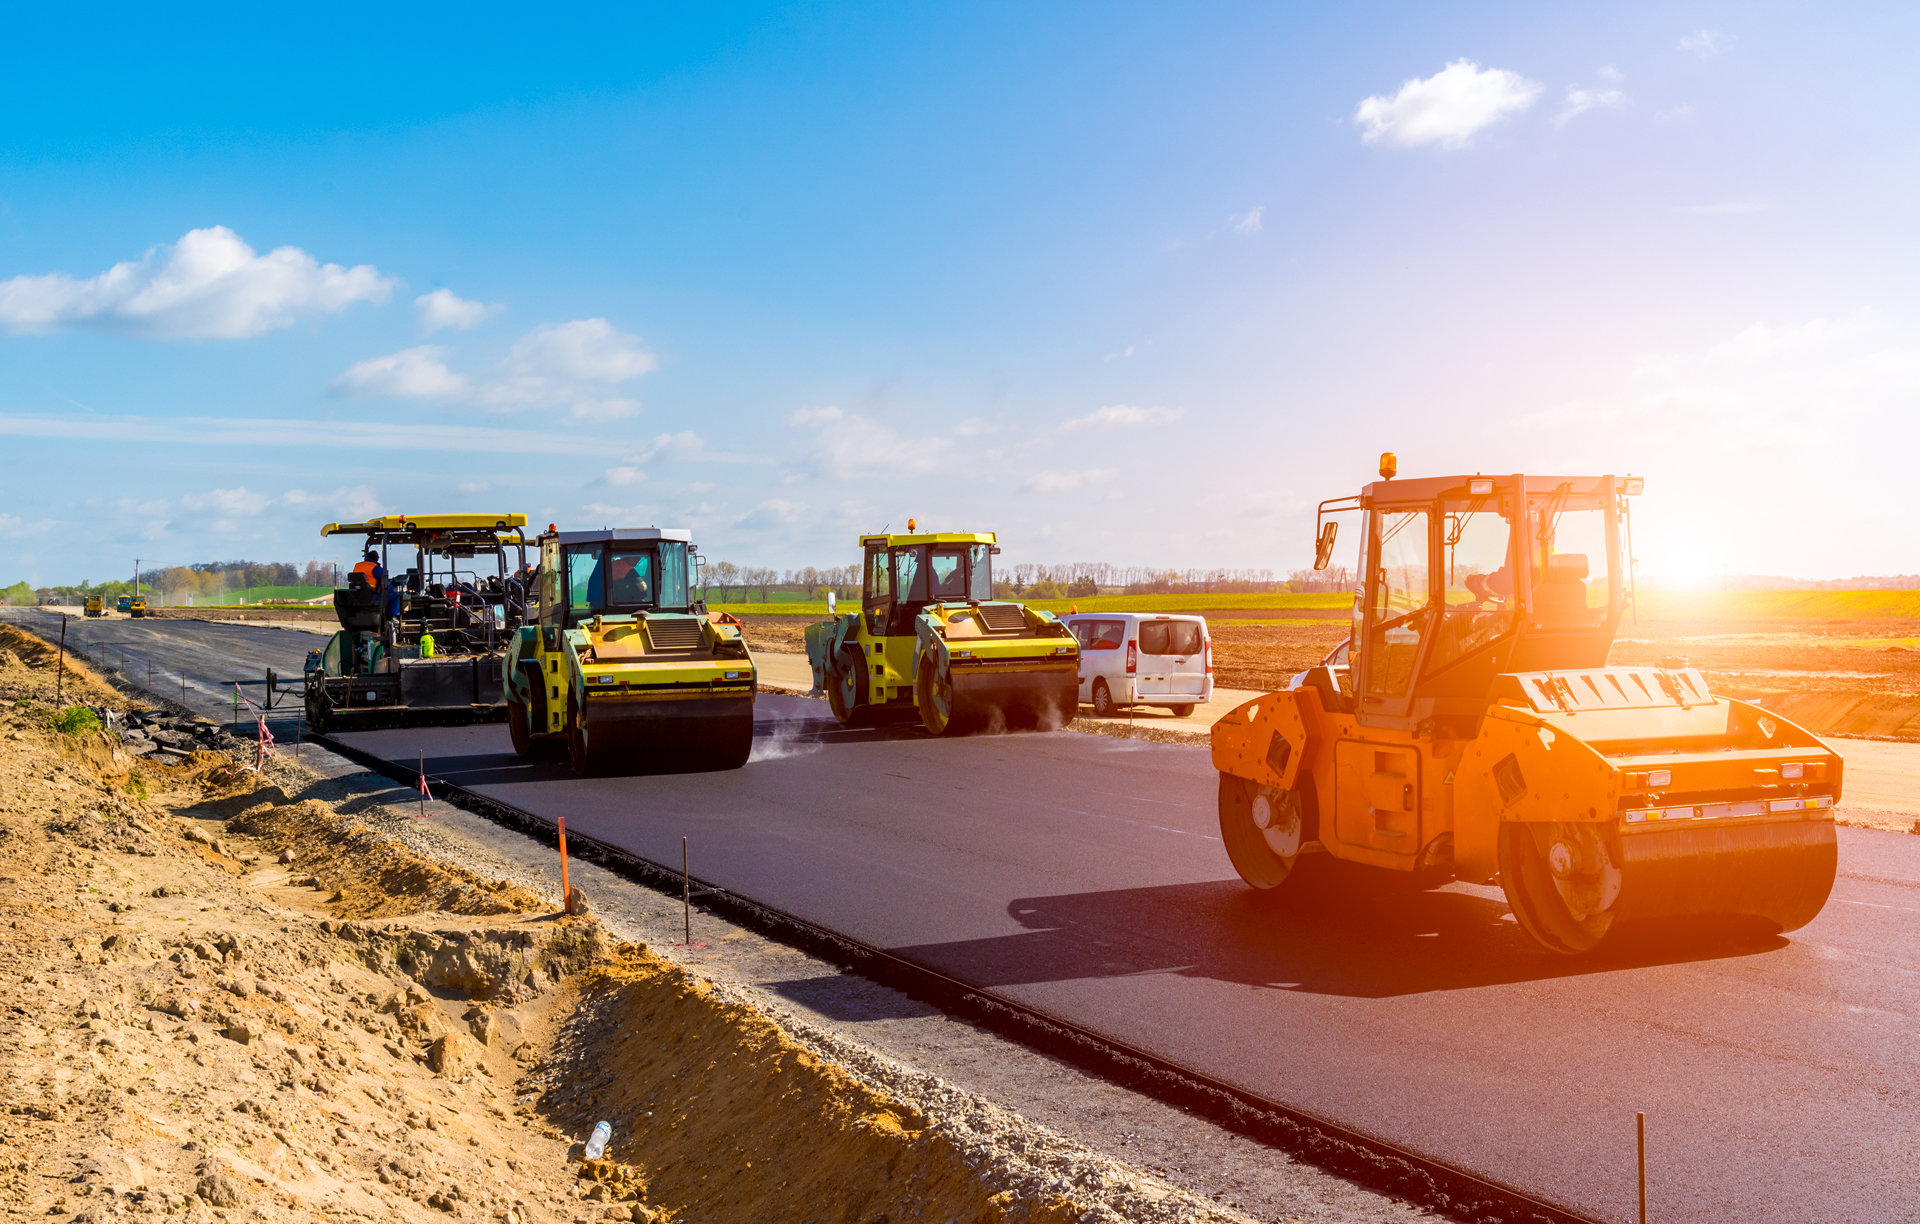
[{"x": 219, "y": 999}]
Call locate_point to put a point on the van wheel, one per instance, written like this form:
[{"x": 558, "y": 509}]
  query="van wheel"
[
  {"x": 1182, "y": 711},
  {"x": 1102, "y": 700}
]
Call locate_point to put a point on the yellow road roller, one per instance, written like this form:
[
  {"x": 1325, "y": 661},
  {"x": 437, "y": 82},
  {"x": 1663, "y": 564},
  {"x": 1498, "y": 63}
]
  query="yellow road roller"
[
  {"x": 930, "y": 638},
  {"x": 1472, "y": 729},
  {"x": 621, "y": 666}
]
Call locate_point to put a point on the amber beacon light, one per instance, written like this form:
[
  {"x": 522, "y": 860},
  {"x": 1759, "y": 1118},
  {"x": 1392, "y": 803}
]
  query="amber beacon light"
[{"x": 1389, "y": 465}]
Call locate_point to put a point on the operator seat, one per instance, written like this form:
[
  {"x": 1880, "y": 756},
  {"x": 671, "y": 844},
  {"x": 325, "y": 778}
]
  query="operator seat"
[{"x": 1561, "y": 593}]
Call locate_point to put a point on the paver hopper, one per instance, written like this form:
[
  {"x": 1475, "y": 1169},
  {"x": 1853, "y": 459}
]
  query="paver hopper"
[
  {"x": 931, "y": 638},
  {"x": 1474, "y": 730},
  {"x": 426, "y": 645},
  {"x": 620, "y": 667}
]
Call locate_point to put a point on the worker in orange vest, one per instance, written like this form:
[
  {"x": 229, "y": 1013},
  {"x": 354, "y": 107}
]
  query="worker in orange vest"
[{"x": 366, "y": 569}]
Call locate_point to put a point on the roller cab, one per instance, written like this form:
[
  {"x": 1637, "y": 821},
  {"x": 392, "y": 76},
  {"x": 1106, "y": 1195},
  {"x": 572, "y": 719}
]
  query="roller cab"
[
  {"x": 931, "y": 641},
  {"x": 1472, "y": 729},
  {"x": 620, "y": 669}
]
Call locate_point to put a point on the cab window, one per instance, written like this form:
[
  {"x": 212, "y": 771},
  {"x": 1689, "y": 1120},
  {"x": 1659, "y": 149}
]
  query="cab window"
[
  {"x": 879, "y": 579},
  {"x": 947, "y": 569},
  {"x": 630, "y": 578},
  {"x": 980, "y": 572},
  {"x": 1398, "y": 609},
  {"x": 586, "y": 583},
  {"x": 907, "y": 581},
  {"x": 1477, "y": 576}
]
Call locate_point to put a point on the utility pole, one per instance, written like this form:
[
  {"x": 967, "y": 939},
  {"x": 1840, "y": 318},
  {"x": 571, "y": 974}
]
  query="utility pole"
[{"x": 136, "y": 575}]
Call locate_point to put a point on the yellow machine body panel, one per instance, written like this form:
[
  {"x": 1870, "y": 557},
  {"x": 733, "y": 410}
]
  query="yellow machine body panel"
[{"x": 428, "y": 522}]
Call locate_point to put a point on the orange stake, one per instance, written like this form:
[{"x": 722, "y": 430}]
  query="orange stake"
[{"x": 566, "y": 893}]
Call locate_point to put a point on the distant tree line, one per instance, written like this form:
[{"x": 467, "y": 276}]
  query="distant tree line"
[{"x": 179, "y": 583}]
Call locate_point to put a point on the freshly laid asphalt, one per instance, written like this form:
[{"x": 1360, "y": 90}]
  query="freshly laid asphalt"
[{"x": 1082, "y": 876}]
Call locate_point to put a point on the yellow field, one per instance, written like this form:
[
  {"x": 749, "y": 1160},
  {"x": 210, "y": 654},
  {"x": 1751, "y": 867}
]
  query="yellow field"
[
  {"x": 1780, "y": 605},
  {"x": 1283, "y": 601}
]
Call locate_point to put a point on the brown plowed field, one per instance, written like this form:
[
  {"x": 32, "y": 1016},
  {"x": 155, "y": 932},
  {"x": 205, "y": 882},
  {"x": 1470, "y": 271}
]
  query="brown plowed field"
[{"x": 1836, "y": 676}]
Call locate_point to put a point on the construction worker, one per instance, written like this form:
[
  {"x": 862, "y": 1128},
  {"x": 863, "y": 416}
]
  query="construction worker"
[
  {"x": 367, "y": 569},
  {"x": 426, "y": 644}
]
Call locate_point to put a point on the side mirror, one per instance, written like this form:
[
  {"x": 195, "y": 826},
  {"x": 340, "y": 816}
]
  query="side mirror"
[{"x": 1323, "y": 549}]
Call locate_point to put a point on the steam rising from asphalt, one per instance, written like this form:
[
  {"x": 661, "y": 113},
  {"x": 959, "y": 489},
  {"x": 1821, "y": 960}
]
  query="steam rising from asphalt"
[{"x": 791, "y": 737}]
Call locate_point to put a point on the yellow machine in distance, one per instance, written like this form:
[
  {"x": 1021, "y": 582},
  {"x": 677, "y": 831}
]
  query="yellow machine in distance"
[
  {"x": 95, "y": 606},
  {"x": 931, "y": 638},
  {"x": 1471, "y": 728}
]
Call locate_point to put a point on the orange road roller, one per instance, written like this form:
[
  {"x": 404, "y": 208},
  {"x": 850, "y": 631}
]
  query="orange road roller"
[{"x": 1471, "y": 729}]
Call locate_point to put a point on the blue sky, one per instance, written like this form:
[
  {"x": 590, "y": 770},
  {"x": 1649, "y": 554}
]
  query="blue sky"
[{"x": 1123, "y": 283}]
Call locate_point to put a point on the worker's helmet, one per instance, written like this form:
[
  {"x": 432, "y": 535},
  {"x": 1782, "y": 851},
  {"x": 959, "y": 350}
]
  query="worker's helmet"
[{"x": 372, "y": 555}]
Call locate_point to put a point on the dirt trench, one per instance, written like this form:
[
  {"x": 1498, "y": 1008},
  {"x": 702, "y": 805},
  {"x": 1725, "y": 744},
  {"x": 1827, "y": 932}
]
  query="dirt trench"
[{"x": 221, "y": 1000}]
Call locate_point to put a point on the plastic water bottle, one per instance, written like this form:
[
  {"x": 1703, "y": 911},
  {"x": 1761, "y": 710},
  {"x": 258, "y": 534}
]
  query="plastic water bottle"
[{"x": 597, "y": 1142}]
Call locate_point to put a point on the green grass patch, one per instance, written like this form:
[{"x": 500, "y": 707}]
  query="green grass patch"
[{"x": 76, "y": 720}]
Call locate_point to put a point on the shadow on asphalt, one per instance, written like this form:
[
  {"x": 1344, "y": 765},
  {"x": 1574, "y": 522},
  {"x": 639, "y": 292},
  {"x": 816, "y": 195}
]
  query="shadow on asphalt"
[{"x": 1339, "y": 935}]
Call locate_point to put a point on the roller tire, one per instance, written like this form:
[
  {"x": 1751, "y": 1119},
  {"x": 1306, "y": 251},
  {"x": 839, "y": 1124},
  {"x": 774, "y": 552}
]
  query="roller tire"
[
  {"x": 847, "y": 715},
  {"x": 1258, "y": 854},
  {"x": 939, "y": 711},
  {"x": 518, "y": 729},
  {"x": 733, "y": 747},
  {"x": 579, "y": 755},
  {"x": 1539, "y": 906}
]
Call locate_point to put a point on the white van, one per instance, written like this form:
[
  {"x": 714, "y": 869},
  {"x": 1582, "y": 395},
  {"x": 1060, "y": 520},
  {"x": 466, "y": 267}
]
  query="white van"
[{"x": 1140, "y": 659}]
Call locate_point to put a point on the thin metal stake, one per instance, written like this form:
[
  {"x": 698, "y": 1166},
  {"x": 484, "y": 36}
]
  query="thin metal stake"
[
  {"x": 423, "y": 785},
  {"x": 686, "y": 894},
  {"x": 60, "y": 677},
  {"x": 566, "y": 889},
  {"x": 1640, "y": 1121}
]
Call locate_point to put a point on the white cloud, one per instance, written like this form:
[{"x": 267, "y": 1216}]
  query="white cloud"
[
  {"x": 1122, "y": 416},
  {"x": 1447, "y": 108},
  {"x": 849, "y": 447},
  {"x": 683, "y": 445},
  {"x": 415, "y": 373},
  {"x": 1704, "y": 43},
  {"x": 625, "y": 474},
  {"x": 443, "y": 308},
  {"x": 473, "y": 486},
  {"x": 238, "y": 501},
  {"x": 1579, "y": 101},
  {"x": 974, "y": 427},
  {"x": 618, "y": 516},
  {"x": 813, "y": 416},
  {"x": 208, "y": 286},
  {"x": 771, "y": 515},
  {"x": 1247, "y": 222},
  {"x": 1122, "y": 355},
  {"x": 1766, "y": 385},
  {"x": 556, "y": 366},
  {"x": 1066, "y": 482},
  {"x": 1731, "y": 208},
  {"x": 1610, "y": 73}
]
